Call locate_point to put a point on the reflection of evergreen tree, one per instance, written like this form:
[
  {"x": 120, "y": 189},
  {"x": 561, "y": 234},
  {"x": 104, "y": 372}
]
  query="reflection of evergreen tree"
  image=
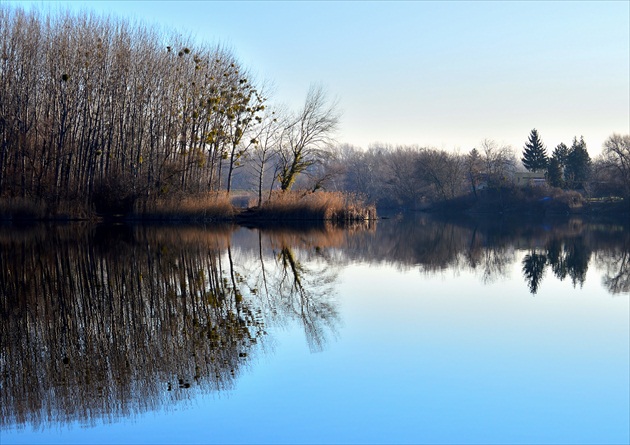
[
  {"x": 534, "y": 269},
  {"x": 577, "y": 258},
  {"x": 555, "y": 258},
  {"x": 570, "y": 258}
]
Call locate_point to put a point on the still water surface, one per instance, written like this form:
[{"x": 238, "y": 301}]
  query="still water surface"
[{"x": 413, "y": 331}]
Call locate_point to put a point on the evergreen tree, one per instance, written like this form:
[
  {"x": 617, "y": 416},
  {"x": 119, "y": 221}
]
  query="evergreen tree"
[
  {"x": 578, "y": 166},
  {"x": 554, "y": 172},
  {"x": 561, "y": 153},
  {"x": 534, "y": 153}
]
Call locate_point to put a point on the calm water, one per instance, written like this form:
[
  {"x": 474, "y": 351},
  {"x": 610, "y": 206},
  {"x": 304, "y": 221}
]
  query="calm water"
[{"x": 412, "y": 331}]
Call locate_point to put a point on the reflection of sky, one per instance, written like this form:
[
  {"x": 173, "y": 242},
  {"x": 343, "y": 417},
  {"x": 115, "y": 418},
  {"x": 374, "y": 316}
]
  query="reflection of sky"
[{"x": 421, "y": 358}]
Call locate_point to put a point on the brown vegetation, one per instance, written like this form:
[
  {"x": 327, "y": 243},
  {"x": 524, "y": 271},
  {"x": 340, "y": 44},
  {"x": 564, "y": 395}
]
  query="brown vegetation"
[
  {"x": 207, "y": 207},
  {"x": 328, "y": 206},
  {"x": 102, "y": 117}
]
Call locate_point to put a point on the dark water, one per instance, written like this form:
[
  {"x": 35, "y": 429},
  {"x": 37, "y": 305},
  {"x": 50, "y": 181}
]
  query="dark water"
[{"x": 412, "y": 330}]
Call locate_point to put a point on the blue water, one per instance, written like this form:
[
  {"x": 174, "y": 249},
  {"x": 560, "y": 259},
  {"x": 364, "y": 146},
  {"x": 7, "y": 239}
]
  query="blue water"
[{"x": 414, "y": 356}]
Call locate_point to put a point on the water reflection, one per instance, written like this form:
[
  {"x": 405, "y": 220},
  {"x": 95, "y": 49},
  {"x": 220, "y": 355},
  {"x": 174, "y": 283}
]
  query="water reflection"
[
  {"x": 110, "y": 321},
  {"x": 113, "y": 321},
  {"x": 489, "y": 248},
  {"x": 569, "y": 257}
]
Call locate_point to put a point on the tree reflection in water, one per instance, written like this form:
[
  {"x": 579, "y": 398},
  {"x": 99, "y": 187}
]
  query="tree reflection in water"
[
  {"x": 490, "y": 247},
  {"x": 110, "y": 322},
  {"x": 98, "y": 323},
  {"x": 569, "y": 254}
]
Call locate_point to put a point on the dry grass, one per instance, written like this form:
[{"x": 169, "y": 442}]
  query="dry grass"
[
  {"x": 335, "y": 207},
  {"x": 40, "y": 209},
  {"x": 323, "y": 206},
  {"x": 207, "y": 207}
]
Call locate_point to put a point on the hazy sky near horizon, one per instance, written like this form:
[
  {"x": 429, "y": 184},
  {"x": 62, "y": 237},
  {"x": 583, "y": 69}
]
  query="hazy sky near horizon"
[{"x": 445, "y": 74}]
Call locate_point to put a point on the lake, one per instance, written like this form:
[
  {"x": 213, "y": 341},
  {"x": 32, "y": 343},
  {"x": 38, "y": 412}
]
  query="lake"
[{"x": 406, "y": 330}]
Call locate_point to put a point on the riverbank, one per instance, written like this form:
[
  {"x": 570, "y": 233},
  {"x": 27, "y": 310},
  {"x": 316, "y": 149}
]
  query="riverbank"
[
  {"x": 335, "y": 207},
  {"x": 532, "y": 202}
]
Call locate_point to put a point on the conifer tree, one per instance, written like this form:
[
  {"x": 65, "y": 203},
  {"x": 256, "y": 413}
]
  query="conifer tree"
[
  {"x": 578, "y": 166},
  {"x": 561, "y": 153},
  {"x": 554, "y": 172},
  {"x": 534, "y": 153}
]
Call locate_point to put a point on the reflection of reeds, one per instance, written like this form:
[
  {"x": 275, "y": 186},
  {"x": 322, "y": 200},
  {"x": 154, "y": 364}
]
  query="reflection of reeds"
[
  {"x": 216, "y": 238},
  {"x": 306, "y": 239}
]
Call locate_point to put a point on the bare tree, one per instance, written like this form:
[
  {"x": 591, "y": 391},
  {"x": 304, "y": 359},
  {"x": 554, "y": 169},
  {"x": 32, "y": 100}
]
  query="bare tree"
[
  {"x": 307, "y": 135},
  {"x": 474, "y": 166},
  {"x": 615, "y": 158},
  {"x": 267, "y": 141},
  {"x": 444, "y": 172},
  {"x": 499, "y": 162}
]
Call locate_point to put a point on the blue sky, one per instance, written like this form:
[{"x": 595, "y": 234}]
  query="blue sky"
[{"x": 441, "y": 74}]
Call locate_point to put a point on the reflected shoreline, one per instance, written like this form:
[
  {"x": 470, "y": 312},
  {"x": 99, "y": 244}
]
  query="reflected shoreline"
[{"x": 107, "y": 321}]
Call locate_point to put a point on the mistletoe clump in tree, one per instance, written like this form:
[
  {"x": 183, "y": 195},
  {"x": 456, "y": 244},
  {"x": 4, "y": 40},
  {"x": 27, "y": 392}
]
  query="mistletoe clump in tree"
[{"x": 534, "y": 153}]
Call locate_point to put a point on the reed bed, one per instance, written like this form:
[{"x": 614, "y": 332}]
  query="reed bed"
[
  {"x": 297, "y": 206},
  {"x": 321, "y": 206},
  {"x": 207, "y": 207},
  {"x": 20, "y": 209}
]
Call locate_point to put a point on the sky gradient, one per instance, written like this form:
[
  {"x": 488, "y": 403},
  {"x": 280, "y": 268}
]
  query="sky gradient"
[{"x": 441, "y": 74}]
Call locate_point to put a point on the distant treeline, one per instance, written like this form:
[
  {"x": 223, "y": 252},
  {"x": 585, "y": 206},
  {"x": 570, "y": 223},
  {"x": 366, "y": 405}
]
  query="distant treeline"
[
  {"x": 102, "y": 115},
  {"x": 420, "y": 177}
]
